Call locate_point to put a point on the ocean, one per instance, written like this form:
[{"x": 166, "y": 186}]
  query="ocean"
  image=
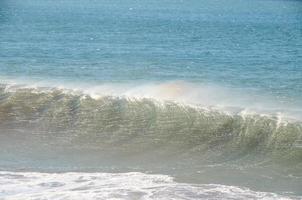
[{"x": 137, "y": 99}]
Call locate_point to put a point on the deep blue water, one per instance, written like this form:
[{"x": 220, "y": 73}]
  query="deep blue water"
[{"x": 235, "y": 43}]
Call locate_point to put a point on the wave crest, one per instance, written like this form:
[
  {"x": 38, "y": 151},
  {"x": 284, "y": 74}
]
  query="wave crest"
[{"x": 136, "y": 125}]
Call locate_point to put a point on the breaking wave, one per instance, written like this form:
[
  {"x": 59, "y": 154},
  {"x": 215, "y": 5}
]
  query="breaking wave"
[{"x": 75, "y": 119}]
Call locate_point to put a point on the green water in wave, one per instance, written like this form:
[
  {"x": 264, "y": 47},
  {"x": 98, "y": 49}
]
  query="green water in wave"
[{"x": 57, "y": 131}]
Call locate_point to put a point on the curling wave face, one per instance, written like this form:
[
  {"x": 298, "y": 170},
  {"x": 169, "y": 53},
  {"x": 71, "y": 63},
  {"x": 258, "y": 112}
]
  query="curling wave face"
[
  {"x": 113, "y": 119},
  {"x": 54, "y": 129}
]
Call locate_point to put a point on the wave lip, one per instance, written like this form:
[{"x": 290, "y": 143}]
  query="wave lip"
[
  {"x": 134, "y": 185},
  {"x": 228, "y": 100}
]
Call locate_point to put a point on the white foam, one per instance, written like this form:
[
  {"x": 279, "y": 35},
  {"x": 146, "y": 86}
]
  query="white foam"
[{"x": 113, "y": 186}]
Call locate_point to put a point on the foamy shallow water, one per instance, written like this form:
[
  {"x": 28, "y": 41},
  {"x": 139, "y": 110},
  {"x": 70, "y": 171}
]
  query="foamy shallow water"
[{"x": 114, "y": 186}]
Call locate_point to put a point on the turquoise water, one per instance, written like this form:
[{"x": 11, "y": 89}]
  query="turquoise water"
[{"x": 206, "y": 92}]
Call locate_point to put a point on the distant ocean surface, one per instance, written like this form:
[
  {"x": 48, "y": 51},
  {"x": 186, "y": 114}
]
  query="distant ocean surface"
[{"x": 182, "y": 99}]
